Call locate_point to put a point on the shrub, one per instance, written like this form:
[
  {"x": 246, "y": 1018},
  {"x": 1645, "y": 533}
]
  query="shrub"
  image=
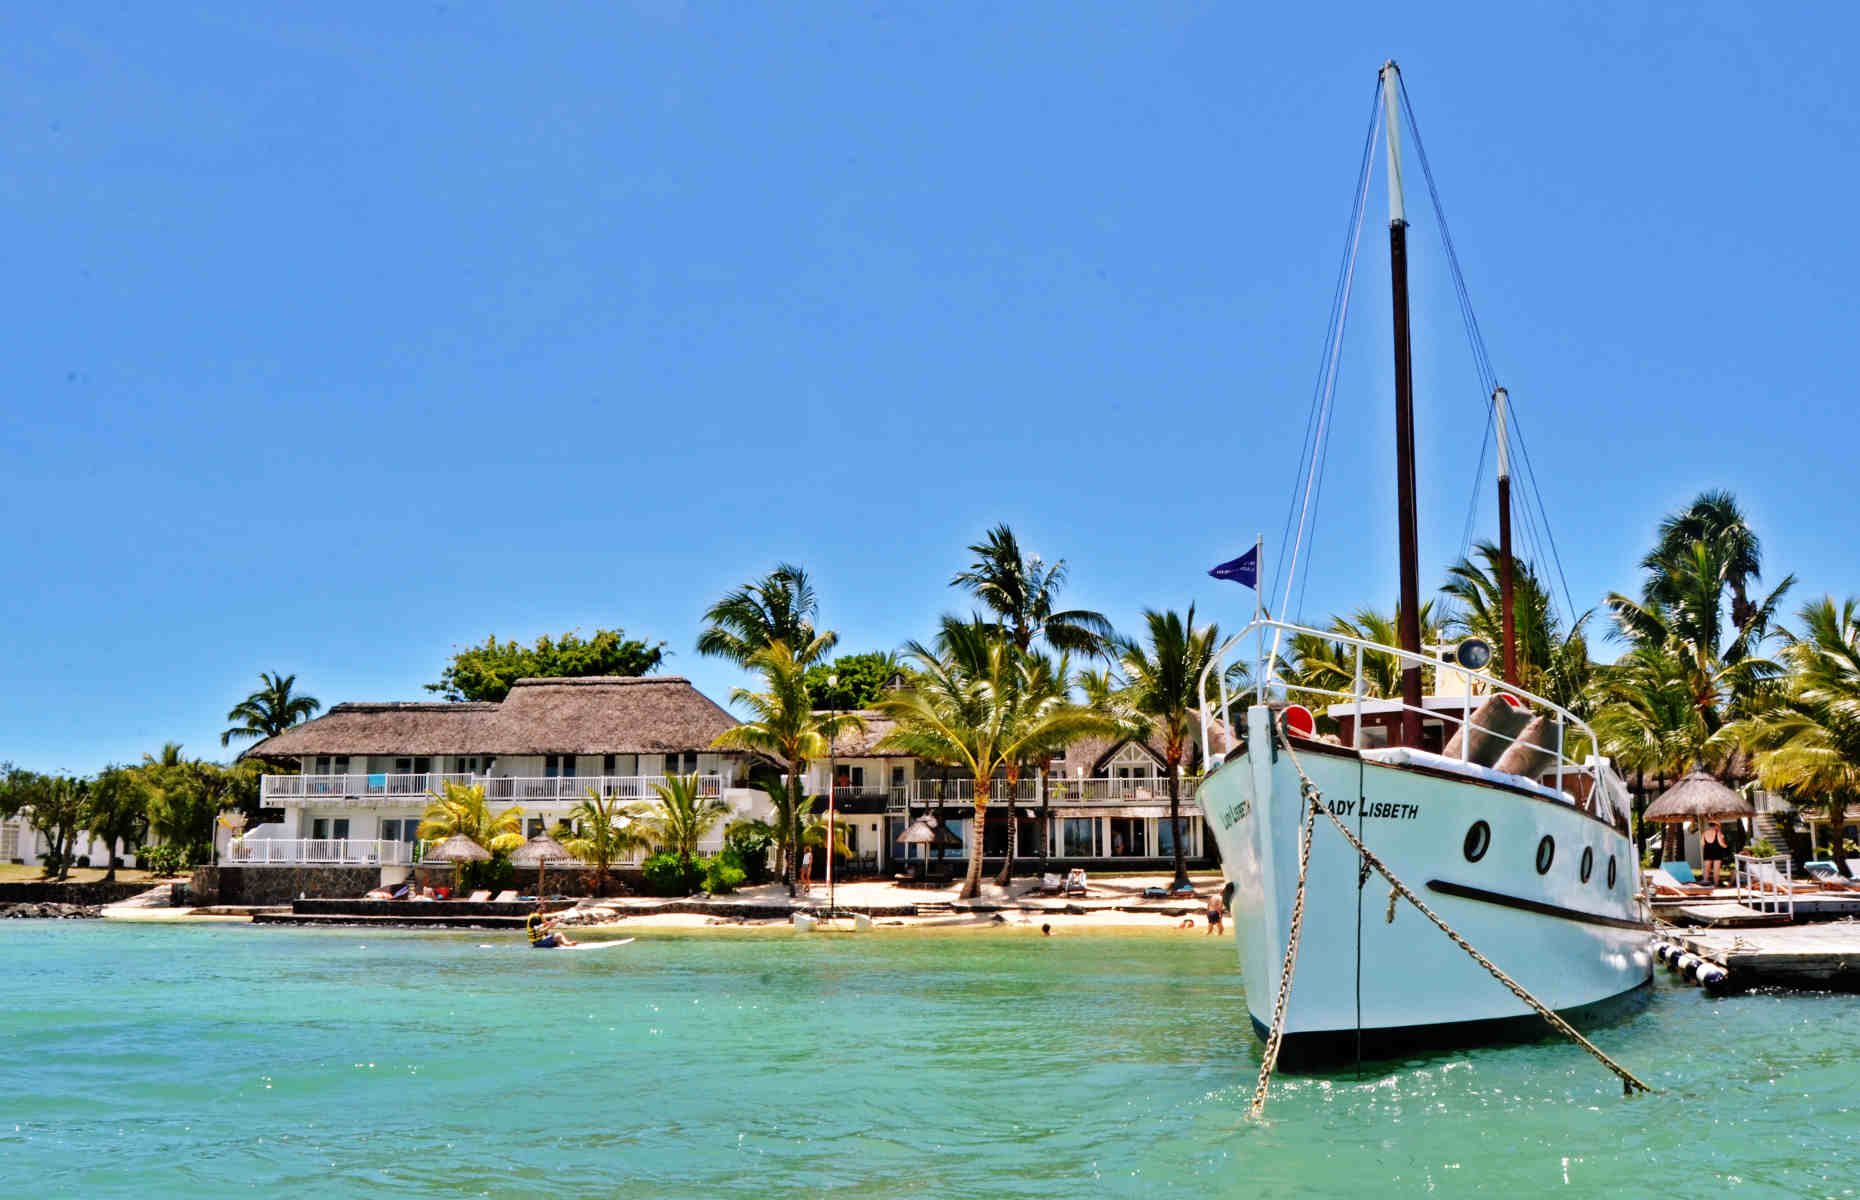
[
  {"x": 1761, "y": 848},
  {"x": 164, "y": 860},
  {"x": 667, "y": 875},
  {"x": 493, "y": 875},
  {"x": 721, "y": 876},
  {"x": 747, "y": 849}
]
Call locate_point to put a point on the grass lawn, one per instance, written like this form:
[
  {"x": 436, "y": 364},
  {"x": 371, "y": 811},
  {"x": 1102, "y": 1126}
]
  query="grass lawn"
[{"x": 14, "y": 873}]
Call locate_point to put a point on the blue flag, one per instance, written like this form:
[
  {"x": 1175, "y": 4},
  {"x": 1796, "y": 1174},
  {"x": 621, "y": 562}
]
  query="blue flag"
[{"x": 1244, "y": 569}]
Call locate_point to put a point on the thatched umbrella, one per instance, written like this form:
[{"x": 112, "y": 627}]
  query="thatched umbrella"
[
  {"x": 1698, "y": 796},
  {"x": 539, "y": 852},
  {"x": 457, "y": 850},
  {"x": 928, "y": 831}
]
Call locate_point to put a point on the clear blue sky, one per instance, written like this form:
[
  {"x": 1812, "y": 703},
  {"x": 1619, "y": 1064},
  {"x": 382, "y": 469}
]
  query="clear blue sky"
[{"x": 343, "y": 334}]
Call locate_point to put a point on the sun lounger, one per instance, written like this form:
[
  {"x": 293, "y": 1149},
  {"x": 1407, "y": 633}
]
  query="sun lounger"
[
  {"x": 1665, "y": 885},
  {"x": 479, "y": 897},
  {"x": 1769, "y": 878},
  {"x": 505, "y": 897},
  {"x": 1829, "y": 878},
  {"x": 1052, "y": 885},
  {"x": 1681, "y": 871},
  {"x": 1075, "y": 882}
]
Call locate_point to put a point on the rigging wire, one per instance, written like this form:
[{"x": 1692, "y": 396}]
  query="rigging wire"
[
  {"x": 1317, "y": 422},
  {"x": 1488, "y": 380}
]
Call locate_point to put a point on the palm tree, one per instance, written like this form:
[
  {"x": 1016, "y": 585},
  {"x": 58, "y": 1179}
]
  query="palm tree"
[
  {"x": 785, "y": 725},
  {"x": 1327, "y": 669},
  {"x": 1703, "y": 553},
  {"x": 1646, "y": 718},
  {"x": 1023, "y": 594},
  {"x": 780, "y": 607},
  {"x": 270, "y": 710},
  {"x": 462, "y": 810},
  {"x": 682, "y": 818},
  {"x": 1165, "y": 691},
  {"x": 1808, "y": 743},
  {"x": 972, "y": 704},
  {"x": 602, "y": 831},
  {"x": 1715, "y": 519},
  {"x": 1551, "y": 663}
]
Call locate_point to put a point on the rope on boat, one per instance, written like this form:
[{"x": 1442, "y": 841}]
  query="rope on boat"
[{"x": 1313, "y": 800}]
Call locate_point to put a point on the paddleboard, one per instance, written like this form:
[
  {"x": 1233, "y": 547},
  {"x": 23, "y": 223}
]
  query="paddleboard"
[{"x": 597, "y": 945}]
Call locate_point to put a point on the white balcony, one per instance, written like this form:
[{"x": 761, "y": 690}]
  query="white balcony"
[
  {"x": 349, "y": 852},
  {"x": 1057, "y": 790},
  {"x": 414, "y": 789}
]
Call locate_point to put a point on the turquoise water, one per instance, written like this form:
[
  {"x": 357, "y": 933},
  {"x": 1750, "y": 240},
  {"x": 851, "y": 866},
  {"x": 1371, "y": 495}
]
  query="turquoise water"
[{"x": 148, "y": 1060}]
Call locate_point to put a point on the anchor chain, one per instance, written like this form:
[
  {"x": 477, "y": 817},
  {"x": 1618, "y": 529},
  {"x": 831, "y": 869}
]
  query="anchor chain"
[
  {"x": 1313, "y": 803},
  {"x": 1276, "y": 1035}
]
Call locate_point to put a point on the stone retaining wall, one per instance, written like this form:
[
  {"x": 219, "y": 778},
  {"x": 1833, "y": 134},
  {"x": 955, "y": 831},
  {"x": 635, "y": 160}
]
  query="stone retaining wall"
[
  {"x": 279, "y": 885},
  {"x": 70, "y": 893}
]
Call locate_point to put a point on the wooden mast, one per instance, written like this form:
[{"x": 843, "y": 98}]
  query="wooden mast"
[
  {"x": 1508, "y": 622},
  {"x": 1409, "y": 604}
]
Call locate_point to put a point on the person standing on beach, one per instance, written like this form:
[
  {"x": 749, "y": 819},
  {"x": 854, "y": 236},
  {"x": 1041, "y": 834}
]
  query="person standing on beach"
[
  {"x": 1214, "y": 914},
  {"x": 807, "y": 870},
  {"x": 1715, "y": 852}
]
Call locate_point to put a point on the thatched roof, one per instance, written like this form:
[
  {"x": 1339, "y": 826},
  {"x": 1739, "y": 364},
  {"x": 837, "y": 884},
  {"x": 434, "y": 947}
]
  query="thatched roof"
[
  {"x": 1698, "y": 796},
  {"x": 597, "y": 714},
  {"x": 456, "y": 849},
  {"x": 543, "y": 850},
  {"x": 863, "y": 743}
]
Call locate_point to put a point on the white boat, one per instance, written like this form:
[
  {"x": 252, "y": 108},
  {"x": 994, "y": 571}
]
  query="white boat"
[{"x": 1515, "y": 836}]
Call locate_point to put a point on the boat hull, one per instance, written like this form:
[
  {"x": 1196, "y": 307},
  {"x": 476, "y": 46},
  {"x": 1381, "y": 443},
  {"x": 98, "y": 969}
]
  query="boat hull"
[{"x": 1580, "y": 945}]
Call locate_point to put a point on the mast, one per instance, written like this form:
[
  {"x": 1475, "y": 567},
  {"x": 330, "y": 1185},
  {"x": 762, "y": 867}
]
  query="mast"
[
  {"x": 1508, "y": 624},
  {"x": 1410, "y": 599}
]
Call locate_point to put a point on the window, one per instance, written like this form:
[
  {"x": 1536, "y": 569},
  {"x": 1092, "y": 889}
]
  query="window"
[
  {"x": 319, "y": 828},
  {"x": 475, "y": 765},
  {"x": 339, "y": 828},
  {"x": 533, "y": 826},
  {"x": 395, "y": 830},
  {"x": 327, "y": 764},
  {"x": 899, "y": 851},
  {"x": 1375, "y": 737},
  {"x": 1127, "y": 837},
  {"x": 607, "y": 763},
  {"x": 412, "y": 766},
  {"x": 687, "y": 765},
  {"x": 1079, "y": 838},
  {"x": 897, "y": 777},
  {"x": 560, "y": 766},
  {"x": 1165, "y": 836}
]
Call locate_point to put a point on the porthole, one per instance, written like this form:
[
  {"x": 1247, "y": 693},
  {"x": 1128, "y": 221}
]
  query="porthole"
[
  {"x": 1546, "y": 854},
  {"x": 1588, "y": 862},
  {"x": 1611, "y": 872},
  {"x": 1478, "y": 841}
]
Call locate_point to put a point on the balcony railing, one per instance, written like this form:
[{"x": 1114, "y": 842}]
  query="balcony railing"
[
  {"x": 506, "y": 788},
  {"x": 356, "y": 852},
  {"x": 1057, "y": 790}
]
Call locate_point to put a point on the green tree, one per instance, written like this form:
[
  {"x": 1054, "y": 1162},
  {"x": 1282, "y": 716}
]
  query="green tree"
[
  {"x": 604, "y": 831},
  {"x": 486, "y": 672},
  {"x": 1023, "y": 593},
  {"x": 1327, "y": 669},
  {"x": 270, "y": 710},
  {"x": 1551, "y": 663},
  {"x": 779, "y": 607},
  {"x": 462, "y": 809},
  {"x": 1165, "y": 691},
  {"x": 1701, "y": 552},
  {"x": 187, "y": 796},
  {"x": 861, "y": 680},
  {"x": 116, "y": 812},
  {"x": 971, "y": 703},
  {"x": 682, "y": 818},
  {"x": 784, "y": 723},
  {"x": 53, "y": 806},
  {"x": 1807, "y": 742}
]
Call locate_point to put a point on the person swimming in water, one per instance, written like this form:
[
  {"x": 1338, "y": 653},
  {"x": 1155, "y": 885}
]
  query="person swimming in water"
[{"x": 542, "y": 931}]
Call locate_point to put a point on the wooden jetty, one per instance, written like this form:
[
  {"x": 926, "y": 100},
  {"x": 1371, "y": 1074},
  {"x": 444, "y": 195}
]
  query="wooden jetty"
[{"x": 1821, "y": 956}]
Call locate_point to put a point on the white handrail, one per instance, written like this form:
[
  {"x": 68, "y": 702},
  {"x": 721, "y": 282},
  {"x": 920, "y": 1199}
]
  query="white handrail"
[{"x": 1217, "y": 667}]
